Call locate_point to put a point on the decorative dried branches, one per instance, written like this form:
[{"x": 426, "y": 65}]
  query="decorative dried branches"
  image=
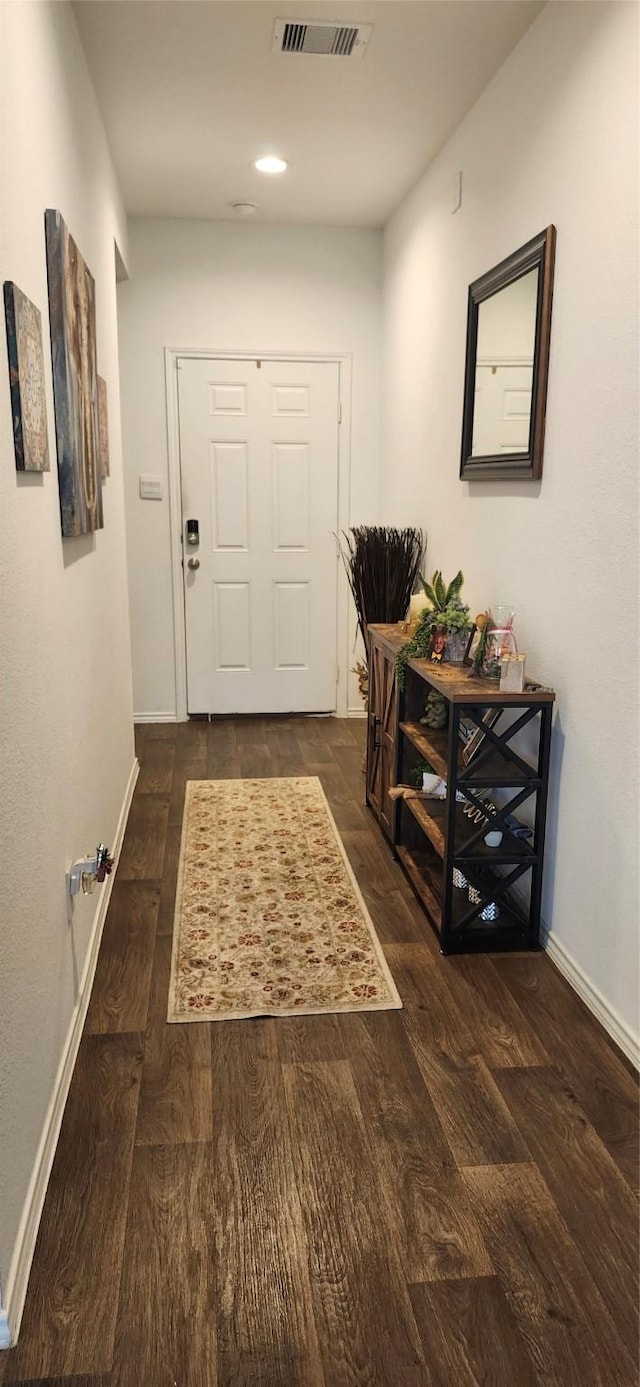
[{"x": 382, "y": 566}]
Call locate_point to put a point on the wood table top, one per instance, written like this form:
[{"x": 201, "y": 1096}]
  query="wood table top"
[{"x": 456, "y": 683}]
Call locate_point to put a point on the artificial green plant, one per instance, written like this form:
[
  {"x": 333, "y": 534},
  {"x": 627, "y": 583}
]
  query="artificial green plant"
[
  {"x": 447, "y": 612},
  {"x": 422, "y": 768}
]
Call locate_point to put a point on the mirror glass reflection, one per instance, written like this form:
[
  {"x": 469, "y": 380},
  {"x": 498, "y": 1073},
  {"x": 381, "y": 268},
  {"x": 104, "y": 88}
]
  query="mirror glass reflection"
[{"x": 504, "y": 368}]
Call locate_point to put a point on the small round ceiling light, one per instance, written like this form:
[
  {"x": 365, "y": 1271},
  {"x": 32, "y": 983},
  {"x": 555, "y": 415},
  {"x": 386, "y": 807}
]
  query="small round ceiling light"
[
  {"x": 243, "y": 210},
  {"x": 270, "y": 164}
]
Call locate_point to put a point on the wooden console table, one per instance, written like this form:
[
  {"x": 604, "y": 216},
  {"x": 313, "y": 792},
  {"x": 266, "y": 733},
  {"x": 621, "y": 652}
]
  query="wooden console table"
[{"x": 477, "y": 898}]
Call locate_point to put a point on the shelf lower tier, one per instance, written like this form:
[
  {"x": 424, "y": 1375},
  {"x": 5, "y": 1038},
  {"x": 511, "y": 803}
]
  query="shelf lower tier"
[
  {"x": 508, "y": 933},
  {"x": 499, "y": 940},
  {"x": 431, "y": 815},
  {"x": 433, "y": 746},
  {"x": 510, "y": 920},
  {"x": 426, "y": 882},
  {"x": 487, "y": 769},
  {"x": 431, "y": 820}
]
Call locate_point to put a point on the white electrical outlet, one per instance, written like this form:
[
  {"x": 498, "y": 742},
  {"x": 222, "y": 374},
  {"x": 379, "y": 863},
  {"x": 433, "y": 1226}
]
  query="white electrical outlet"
[{"x": 85, "y": 866}]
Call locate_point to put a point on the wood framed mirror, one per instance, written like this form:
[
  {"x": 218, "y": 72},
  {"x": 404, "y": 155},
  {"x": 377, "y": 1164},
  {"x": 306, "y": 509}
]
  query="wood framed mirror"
[{"x": 507, "y": 365}]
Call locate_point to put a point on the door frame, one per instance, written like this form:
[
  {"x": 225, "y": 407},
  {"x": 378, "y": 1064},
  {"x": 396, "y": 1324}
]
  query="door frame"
[{"x": 343, "y": 360}]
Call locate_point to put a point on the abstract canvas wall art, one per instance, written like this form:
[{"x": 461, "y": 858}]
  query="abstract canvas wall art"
[
  {"x": 26, "y": 380},
  {"x": 103, "y": 428},
  {"x": 72, "y": 318}
]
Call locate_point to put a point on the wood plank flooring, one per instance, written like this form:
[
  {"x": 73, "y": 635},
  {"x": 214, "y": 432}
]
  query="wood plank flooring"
[{"x": 442, "y": 1196}]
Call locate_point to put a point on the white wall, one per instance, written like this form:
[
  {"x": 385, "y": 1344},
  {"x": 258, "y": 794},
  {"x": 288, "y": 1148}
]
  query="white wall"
[
  {"x": 552, "y": 139},
  {"x": 65, "y": 686},
  {"x": 237, "y": 288}
]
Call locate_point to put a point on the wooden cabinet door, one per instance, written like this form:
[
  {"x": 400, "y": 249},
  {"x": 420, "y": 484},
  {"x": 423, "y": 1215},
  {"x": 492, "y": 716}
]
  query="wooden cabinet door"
[{"x": 382, "y": 736}]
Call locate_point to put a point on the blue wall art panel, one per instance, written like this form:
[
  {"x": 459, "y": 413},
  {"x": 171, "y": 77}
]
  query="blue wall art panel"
[
  {"x": 26, "y": 380},
  {"x": 72, "y": 318}
]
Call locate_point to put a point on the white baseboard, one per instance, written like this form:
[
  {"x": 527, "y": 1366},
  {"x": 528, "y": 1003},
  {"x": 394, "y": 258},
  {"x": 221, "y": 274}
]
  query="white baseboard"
[
  {"x": 155, "y": 717},
  {"x": 20, "y": 1267},
  {"x": 593, "y": 998},
  {"x": 172, "y": 717}
]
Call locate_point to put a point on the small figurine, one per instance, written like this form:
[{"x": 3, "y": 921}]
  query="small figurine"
[{"x": 435, "y": 713}]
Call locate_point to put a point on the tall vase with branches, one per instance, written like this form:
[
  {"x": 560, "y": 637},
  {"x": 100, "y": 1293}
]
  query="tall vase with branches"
[{"x": 382, "y": 566}]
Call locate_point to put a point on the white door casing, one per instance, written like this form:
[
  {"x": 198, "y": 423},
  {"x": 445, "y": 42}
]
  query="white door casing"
[{"x": 259, "y": 472}]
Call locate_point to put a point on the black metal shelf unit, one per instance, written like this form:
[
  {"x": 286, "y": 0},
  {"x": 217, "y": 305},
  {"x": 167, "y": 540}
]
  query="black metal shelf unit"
[{"x": 473, "y": 893}]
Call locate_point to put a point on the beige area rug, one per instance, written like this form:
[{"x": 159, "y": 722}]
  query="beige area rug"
[{"x": 269, "y": 918}]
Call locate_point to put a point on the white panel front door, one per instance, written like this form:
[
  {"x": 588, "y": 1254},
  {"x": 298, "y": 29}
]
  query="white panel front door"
[
  {"x": 502, "y": 409},
  {"x": 259, "y": 466}
]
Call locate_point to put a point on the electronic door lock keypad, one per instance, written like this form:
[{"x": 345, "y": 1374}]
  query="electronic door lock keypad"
[{"x": 193, "y": 532}]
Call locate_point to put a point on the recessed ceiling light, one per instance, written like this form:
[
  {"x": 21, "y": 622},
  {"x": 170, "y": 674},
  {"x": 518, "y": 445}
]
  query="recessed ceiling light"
[{"x": 270, "y": 164}]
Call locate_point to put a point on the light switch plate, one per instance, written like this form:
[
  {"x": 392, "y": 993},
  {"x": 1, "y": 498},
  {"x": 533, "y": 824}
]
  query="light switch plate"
[{"x": 151, "y": 488}]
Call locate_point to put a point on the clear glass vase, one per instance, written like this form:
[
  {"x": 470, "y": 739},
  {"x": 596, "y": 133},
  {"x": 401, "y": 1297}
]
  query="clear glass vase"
[{"x": 500, "y": 641}]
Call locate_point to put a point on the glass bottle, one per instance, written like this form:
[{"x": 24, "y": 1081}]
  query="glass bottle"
[{"x": 501, "y": 639}]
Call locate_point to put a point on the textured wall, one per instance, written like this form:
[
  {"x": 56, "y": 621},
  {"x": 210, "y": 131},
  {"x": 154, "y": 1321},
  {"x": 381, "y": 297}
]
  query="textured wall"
[
  {"x": 65, "y": 683},
  {"x": 552, "y": 139},
  {"x": 233, "y": 288}
]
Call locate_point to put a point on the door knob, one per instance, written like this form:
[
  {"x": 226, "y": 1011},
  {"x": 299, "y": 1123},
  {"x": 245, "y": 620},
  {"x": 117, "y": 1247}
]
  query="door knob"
[{"x": 193, "y": 563}]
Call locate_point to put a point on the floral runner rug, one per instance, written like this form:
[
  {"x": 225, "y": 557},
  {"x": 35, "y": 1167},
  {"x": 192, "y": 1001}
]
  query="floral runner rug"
[{"x": 269, "y": 917}]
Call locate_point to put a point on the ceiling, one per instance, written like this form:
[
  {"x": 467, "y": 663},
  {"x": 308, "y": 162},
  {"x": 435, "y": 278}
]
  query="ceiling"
[{"x": 191, "y": 93}]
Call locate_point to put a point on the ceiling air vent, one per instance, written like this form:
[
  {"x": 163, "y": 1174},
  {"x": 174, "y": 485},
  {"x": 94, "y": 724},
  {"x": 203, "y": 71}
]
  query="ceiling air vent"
[{"x": 320, "y": 36}]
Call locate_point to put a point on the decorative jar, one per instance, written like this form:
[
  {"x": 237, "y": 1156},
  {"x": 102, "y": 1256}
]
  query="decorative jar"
[
  {"x": 501, "y": 640},
  {"x": 457, "y": 642}
]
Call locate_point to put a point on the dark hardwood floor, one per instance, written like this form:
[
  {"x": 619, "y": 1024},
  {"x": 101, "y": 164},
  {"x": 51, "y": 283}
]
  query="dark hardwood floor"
[{"x": 443, "y": 1195}]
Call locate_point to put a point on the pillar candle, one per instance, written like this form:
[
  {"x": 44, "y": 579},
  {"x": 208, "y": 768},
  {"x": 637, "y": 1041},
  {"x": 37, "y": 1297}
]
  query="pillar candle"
[
  {"x": 417, "y": 604},
  {"x": 512, "y": 673}
]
